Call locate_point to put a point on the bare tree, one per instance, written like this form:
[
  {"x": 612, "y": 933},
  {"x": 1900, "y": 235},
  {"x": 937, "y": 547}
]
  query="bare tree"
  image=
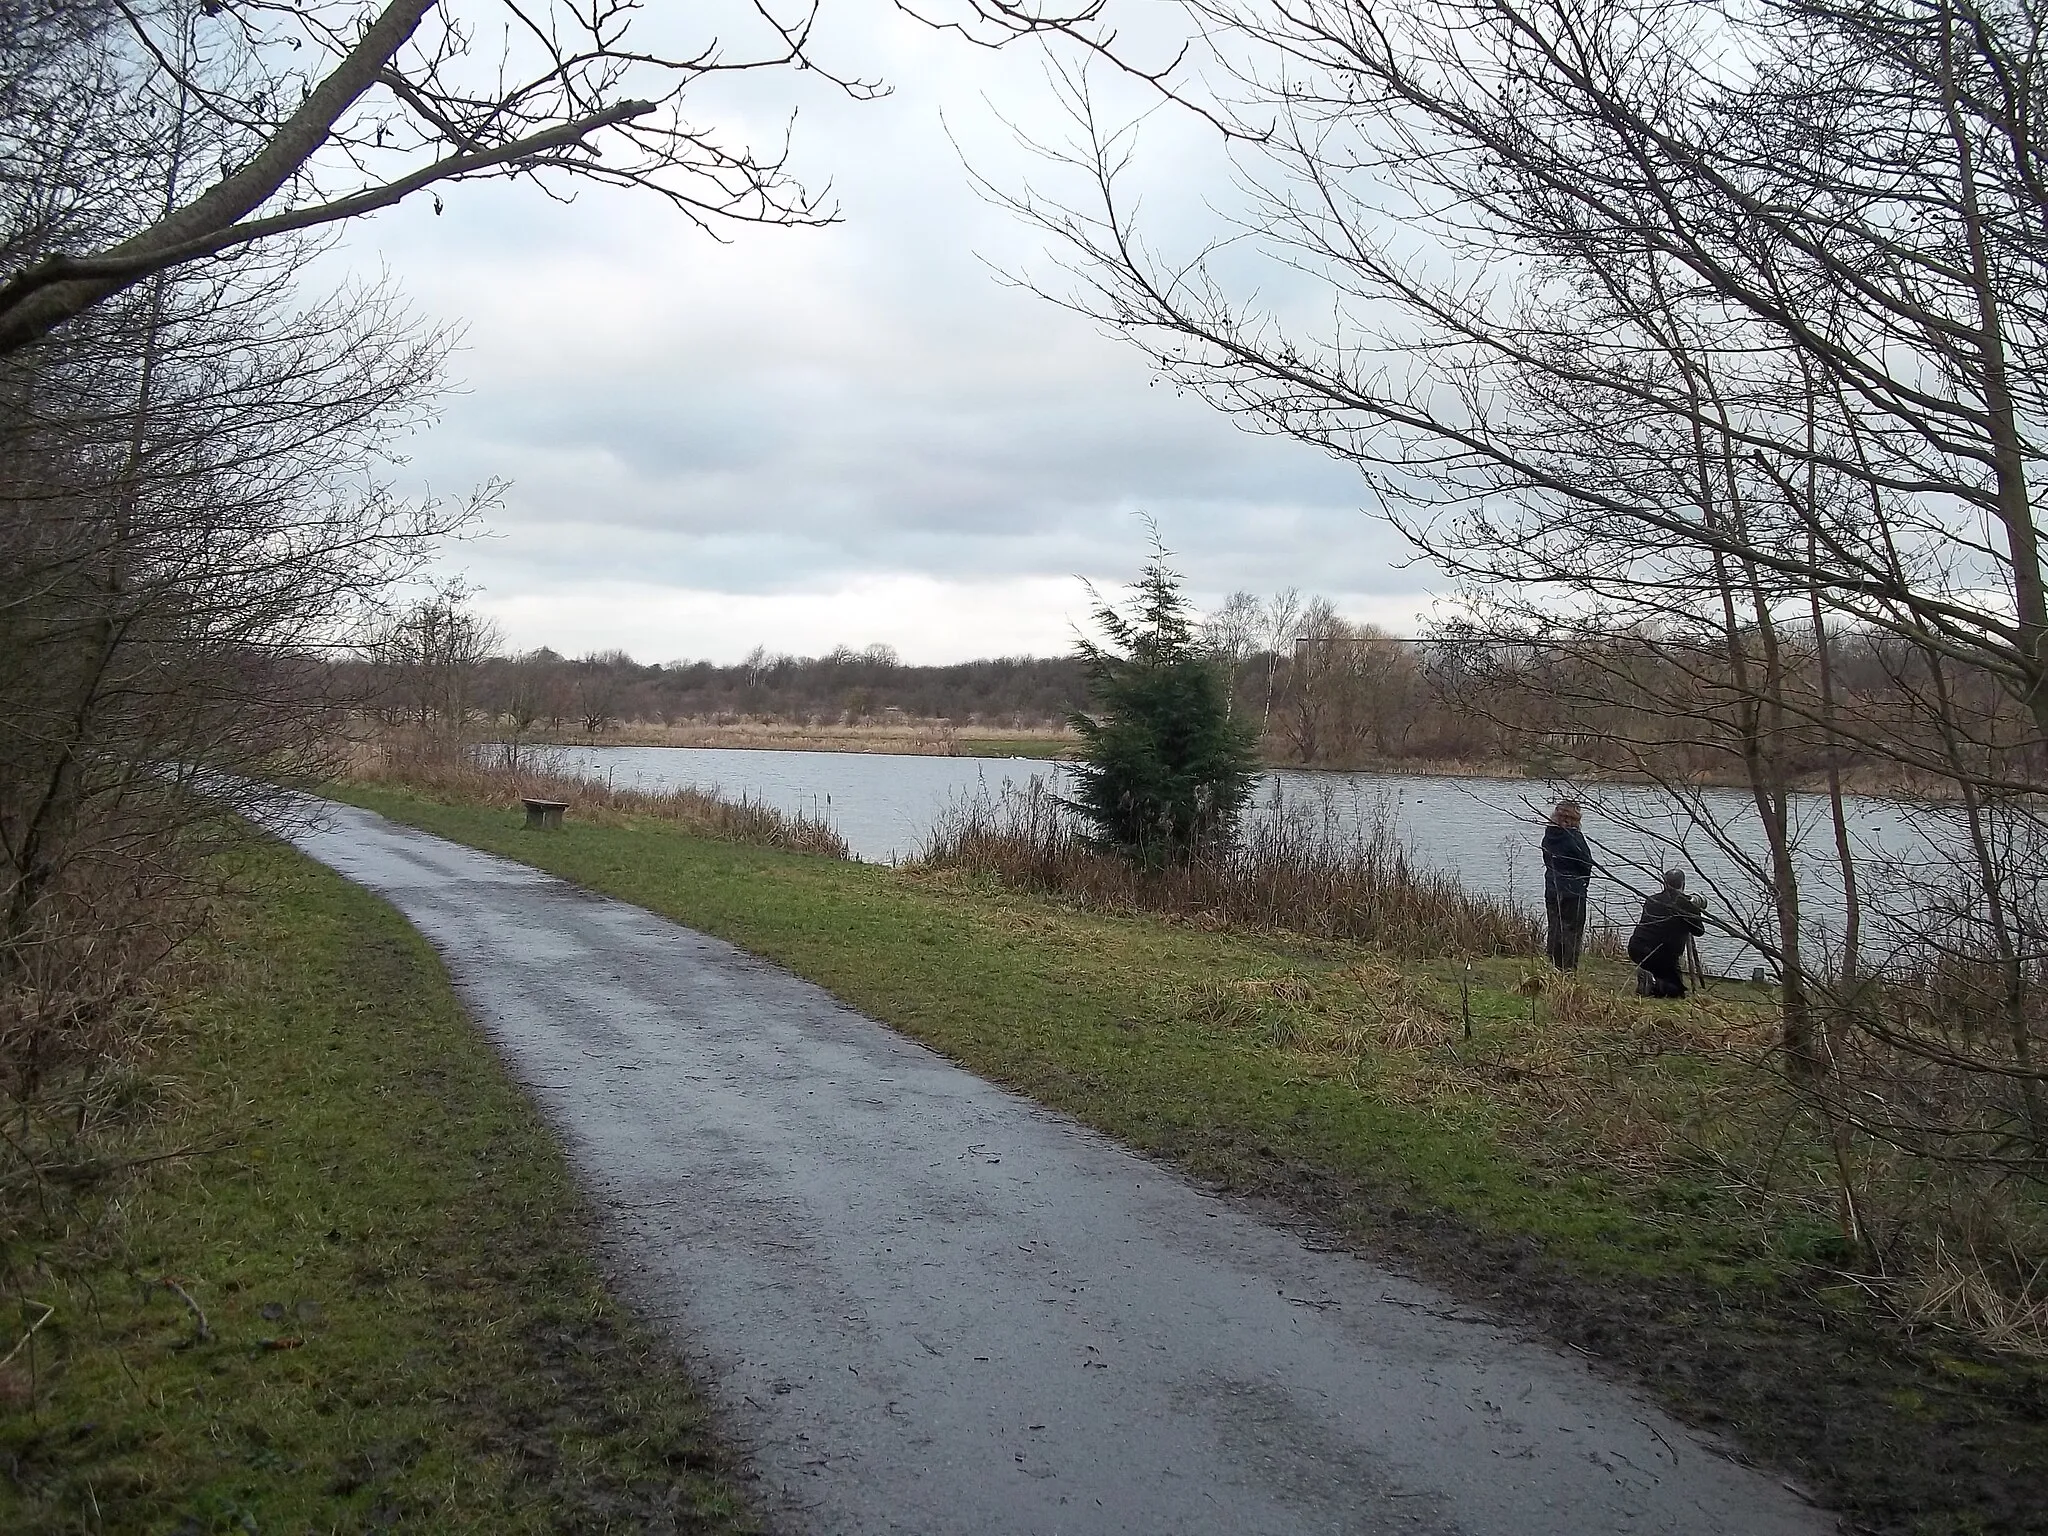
[
  {"x": 1709, "y": 263},
  {"x": 598, "y": 691},
  {"x": 429, "y": 659},
  {"x": 325, "y": 111},
  {"x": 1317, "y": 724},
  {"x": 191, "y": 513},
  {"x": 1702, "y": 344},
  {"x": 531, "y": 689},
  {"x": 1231, "y": 635},
  {"x": 1281, "y": 617},
  {"x": 167, "y": 556}
]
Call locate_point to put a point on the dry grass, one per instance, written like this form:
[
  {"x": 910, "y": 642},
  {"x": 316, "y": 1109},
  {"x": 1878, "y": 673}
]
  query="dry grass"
[
  {"x": 81, "y": 1021},
  {"x": 2002, "y": 1302},
  {"x": 1574, "y": 1073},
  {"x": 399, "y": 762},
  {"x": 1599, "y": 1078},
  {"x": 1569, "y": 1072},
  {"x": 1678, "y": 1100},
  {"x": 1300, "y": 871},
  {"x": 1578, "y": 1075}
]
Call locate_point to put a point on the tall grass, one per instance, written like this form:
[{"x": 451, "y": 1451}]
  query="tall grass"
[
  {"x": 1298, "y": 867},
  {"x": 1935, "y": 1093},
  {"x": 501, "y": 776}
]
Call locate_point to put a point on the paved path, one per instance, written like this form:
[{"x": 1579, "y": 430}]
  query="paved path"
[{"x": 927, "y": 1305}]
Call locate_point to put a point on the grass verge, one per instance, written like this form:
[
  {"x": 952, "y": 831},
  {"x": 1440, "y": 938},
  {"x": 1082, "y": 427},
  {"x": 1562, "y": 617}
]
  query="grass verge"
[
  {"x": 1270, "y": 1066},
  {"x": 401, "y": 1326}
]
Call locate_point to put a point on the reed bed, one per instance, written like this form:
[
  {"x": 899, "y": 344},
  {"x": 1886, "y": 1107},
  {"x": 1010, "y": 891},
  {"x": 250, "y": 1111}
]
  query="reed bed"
[
  {"x": 1299, "y": 868},
  {"x": 504, "y": 777}
]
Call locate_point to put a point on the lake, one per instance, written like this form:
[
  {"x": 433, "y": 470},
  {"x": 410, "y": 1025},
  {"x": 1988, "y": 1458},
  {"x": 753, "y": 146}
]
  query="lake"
[{"x": 1483, "y": 831}]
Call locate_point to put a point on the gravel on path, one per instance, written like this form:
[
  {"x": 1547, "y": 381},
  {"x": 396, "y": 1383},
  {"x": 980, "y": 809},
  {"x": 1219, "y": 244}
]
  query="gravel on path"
[{"x": 927, "y": 1305}]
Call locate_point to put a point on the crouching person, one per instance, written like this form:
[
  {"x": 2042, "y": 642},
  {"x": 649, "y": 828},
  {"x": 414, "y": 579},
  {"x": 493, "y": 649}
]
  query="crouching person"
[{"x": 1657, "y": 946}]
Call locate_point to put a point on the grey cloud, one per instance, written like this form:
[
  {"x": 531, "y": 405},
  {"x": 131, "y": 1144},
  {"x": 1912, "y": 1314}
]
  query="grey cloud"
[{"x": 801, "y": 410}]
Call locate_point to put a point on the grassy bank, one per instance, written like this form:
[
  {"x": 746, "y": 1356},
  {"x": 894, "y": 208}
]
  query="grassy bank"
[
  {"x": 363, "y": 1302},
  {"x": 1622, "y": 1175}
]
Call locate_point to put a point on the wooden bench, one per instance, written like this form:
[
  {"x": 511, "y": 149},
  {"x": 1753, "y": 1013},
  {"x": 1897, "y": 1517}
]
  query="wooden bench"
[{"x": 544, "y": 815}]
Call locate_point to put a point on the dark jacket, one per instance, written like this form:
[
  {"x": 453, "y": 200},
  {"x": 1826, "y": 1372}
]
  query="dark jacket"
[
  {"x": 1669, "y": 918},
  {"x": 1567, "y": 860}
]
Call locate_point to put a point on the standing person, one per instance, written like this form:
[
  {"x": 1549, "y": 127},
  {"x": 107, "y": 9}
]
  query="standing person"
[
  {"x": 1657, "y": 946},
  {"x": 1567, "y": 871}
]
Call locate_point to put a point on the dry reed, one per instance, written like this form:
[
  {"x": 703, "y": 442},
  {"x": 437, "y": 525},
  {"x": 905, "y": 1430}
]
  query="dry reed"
[
  {"x": 2003, "y": 1302},
  {"x": 1587, "y": 1081},
  {"x": 1297, "y": 869}
]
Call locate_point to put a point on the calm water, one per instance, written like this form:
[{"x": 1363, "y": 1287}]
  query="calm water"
[{"x": 1484, "y": 831}]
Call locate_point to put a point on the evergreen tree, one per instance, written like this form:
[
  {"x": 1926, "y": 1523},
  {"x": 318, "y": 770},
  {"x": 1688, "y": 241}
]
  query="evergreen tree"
[{"x": 1164, "y": 771}]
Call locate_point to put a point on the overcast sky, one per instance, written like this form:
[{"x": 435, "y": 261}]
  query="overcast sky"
[{"x": 856, "y": 434}]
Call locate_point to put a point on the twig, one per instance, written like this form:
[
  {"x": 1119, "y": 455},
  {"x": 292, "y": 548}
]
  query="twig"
[
  {"x": 202, "y": 1334},
  {"x": 48, "y": 1313},
  {"x": 226, "y": 1144}
]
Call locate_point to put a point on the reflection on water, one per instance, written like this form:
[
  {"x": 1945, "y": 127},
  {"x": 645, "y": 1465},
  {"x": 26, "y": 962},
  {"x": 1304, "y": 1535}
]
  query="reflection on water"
[{"x": 1484, "y": 831}]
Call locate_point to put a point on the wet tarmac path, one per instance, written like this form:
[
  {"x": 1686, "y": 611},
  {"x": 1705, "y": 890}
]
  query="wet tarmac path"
[{"x": 927, "y": 1305}]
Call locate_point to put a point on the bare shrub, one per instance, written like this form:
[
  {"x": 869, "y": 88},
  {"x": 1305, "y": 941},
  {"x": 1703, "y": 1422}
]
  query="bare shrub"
[
  {"x": 81, "y": 1012},
  {"x": 1921, "y": 1062},
  {"x": 192, "y": 510}
]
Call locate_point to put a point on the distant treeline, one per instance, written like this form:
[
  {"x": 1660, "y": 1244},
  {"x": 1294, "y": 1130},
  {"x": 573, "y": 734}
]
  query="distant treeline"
[
  {"x": 431, "y": 671},
  {"x": 1316, "y": 688}
]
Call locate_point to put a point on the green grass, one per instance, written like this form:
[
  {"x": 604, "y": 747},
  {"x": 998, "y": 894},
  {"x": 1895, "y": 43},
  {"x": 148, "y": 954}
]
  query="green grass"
[
  {"x": 404, "y": 1328},
  {"x": 1108, "y": 1018}
]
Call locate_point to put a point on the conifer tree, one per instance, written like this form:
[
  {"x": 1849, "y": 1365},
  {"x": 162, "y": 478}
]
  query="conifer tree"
[{"x": 1164, "y": 770}]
